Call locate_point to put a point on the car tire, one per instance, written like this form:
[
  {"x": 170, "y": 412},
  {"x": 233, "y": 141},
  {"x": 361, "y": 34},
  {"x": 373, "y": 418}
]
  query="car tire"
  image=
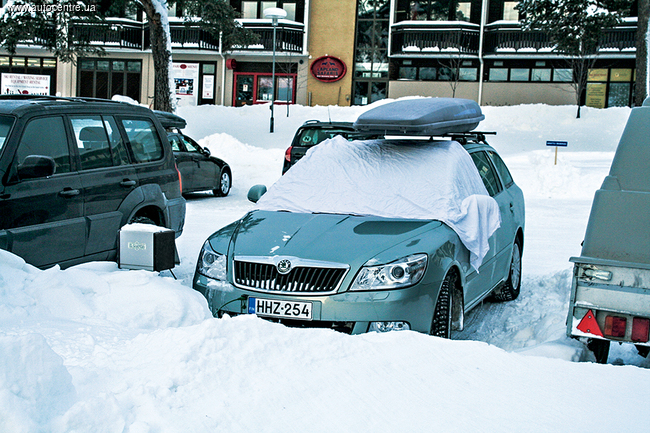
[
  {"x": 441, "y": 324},
  {"x": 510, "y": 290},
  {"x": 600, "y": 349},
  {"x": 225, "y": 182}
]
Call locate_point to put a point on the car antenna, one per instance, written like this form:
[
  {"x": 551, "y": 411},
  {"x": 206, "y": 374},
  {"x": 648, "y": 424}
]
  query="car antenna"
[{"x": 329, "y": 116}]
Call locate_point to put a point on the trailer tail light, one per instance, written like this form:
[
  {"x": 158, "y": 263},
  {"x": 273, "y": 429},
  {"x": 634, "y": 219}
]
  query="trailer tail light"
[
  {"x": 640, "y": 328},
  {"x": 287, "y": 154},
  {"x": 589, "y": 325},
  {"x": 615, "y": 326}
]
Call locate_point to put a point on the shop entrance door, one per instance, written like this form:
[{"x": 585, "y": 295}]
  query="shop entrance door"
[{"x": 244, "y": 94}]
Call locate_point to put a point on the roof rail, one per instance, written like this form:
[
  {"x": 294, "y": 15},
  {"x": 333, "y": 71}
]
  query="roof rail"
[
  {"x": 37, "y": 98},
  {"x": 462, "y": 137}
]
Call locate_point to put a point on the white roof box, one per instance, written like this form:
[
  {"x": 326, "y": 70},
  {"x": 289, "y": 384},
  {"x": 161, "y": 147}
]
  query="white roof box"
[{"x": 422, "y": 116}]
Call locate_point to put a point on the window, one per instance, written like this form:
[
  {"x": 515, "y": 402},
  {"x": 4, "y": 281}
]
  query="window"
[
  {"x": 468, "y": 74},
  {"x": 145, "y": 143},
  {"x": 92, "y": 142},
  {"x": 106, "y": 78},
  {"x": 498, "y": 74},
  {"x": 538, "y": 74},
  {"x": 408, "y": 73},
  {"x": 190, "y": 145},
  {"x": 55, "y": 145},
  {"x": 428, "y": 74},
  {"x": 249, "y": 9},
  {"x": 519, "y": 74},
  {"x": 5, "y": 126},
  {"x": 502, "y": 169},
  {"x": 175, "y": 142},
  {"x": 563, "y": 75},
  {"x": 487, "y": 173},
  {"x": 509, "y": 11},
  {"x": 98, "y": 141},
  {"x": 464, "y": 11}
]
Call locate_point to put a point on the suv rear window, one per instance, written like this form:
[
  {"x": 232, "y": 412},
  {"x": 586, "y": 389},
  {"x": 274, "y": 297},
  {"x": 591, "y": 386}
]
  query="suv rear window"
[
  {"x": 313, "y": 136},
  {"x": 145, "y": 143}
]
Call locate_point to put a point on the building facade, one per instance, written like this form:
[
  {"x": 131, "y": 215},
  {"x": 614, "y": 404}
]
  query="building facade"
[{"x": 339, "y": 52}]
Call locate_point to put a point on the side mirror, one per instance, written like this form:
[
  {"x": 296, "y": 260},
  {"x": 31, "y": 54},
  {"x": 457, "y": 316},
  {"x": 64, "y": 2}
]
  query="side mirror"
[
  {"x": 256, "y": 192},
  {"x": 36, "y": 166},
  {"x": 206, "y": 151}
]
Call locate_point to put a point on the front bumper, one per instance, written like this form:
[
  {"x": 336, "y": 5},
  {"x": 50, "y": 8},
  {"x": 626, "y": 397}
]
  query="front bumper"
[{"x": 352, "y": 310}]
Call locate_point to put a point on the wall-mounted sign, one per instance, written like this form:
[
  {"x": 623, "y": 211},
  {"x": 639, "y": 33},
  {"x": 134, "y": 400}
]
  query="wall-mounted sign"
[
  {"x": 25, "y": 84},
  {"x": 186, "y": 79},
  {"x": 328, "y": 69}
]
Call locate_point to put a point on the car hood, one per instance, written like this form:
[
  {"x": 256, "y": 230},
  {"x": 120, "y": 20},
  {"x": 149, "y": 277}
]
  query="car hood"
[{"x": 326, "y": 237}]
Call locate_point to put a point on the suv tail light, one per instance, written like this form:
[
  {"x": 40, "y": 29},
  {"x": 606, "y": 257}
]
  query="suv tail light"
[
  {"x": 180, "y": 180},
  {"x": 640, "y": 328},
  {"x": 615, "y": 326},
  {"x": 287, "y": 154}
]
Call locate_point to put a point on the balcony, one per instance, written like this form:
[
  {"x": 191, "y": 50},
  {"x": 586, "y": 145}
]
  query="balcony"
[
  {"x": 134, "y": 35},
  {"x": 501, "y": 38},
  {"x": 433, "y": 38}
]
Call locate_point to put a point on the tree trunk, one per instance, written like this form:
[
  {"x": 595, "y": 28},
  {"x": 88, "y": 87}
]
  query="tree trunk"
[
  {"x": 161, "y": 58},
  {"x": 641, "y": 91}
]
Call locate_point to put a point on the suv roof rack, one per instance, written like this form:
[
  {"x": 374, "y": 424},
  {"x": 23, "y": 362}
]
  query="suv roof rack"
[
  {"x": 463, "y": 137},
  {"x": 39, "y": 98}
]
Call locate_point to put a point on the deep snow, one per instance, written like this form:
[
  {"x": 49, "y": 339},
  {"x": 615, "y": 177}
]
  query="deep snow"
[{"x": 98, "y": 349}]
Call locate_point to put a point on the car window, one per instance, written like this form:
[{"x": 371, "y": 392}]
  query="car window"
[
  {"x": 145, "y": 143},
  {"x": 311, "y": 136},
  {"x": 175, "y": 142},
  {"x": 46, "y": 136},
  {"x": 118, "y": 149},
  {"x": 487, "y": 172},
  {"x": 5, "y": 127},
  {"x": 92, "y": 142},
  {"x": 190, "y": 145},
  {"x": 502, "y": 169}
]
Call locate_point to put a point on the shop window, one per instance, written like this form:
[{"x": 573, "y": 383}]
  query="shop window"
[
  {"x": 563, "y": 75},
  {"x": 519, "y": 74},
  {"x": 538, "y": 74},
  {"x": 106, "y": 78},
  {"x": 619, "y": 95},
  {"x": 468, "y": 74},
  {"x": 408, "y": 73},
  {"x": 428, "y": 73},
  {"x": 498, "y": 74}
]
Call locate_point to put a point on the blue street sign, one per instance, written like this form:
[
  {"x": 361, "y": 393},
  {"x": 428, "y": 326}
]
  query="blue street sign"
[{"x": 557, "y": 143}]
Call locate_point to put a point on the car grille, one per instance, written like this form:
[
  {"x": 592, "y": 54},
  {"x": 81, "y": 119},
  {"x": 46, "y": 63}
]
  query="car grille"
[{"x": 301, "y": 279}]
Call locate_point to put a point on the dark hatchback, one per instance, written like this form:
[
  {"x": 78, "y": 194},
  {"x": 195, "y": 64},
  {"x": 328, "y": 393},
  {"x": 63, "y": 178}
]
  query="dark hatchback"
[
  {"x": 313, "y": 132},
  {"x": 73, "y": 171},
  {"x": 200, "y": 171}
]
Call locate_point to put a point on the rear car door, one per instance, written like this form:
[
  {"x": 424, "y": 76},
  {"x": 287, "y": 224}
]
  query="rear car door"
[
  {"x": 184, "y": 162},
  {"x": 206, "y": 171},
  {"x": 107, "y": 177},
  {"x": 42, "y": 219}
]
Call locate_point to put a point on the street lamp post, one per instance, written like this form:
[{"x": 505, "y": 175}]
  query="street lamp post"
[{"x": 275, "y": 14}]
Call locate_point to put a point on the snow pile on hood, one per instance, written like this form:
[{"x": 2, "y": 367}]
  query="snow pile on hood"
[{"x": 392, "y": 180}]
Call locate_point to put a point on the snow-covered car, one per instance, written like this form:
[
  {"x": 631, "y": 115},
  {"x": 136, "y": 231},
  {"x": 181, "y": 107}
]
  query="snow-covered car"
[
  {"x": 199, "y": 170},
  {"x": 377, "y": 235}
]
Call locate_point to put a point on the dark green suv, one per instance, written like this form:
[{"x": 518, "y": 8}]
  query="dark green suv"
[{"x": 73, "y": 171}]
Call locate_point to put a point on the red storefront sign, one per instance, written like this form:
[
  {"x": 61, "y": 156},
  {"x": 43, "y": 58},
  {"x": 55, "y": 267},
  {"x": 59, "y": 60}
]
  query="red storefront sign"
[{"x": 328, "y": 69}]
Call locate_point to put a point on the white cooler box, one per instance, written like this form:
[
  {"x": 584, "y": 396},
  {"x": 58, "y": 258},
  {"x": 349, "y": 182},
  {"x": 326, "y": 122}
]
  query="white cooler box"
[{"x": 148, "y": 247}]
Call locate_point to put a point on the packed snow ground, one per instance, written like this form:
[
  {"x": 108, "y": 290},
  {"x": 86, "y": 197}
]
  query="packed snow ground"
[{"x": 97, "y": 349}]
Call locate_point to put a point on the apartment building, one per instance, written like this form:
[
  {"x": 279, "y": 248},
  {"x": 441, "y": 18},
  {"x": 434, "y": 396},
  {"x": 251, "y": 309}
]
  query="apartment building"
[{"x": 339, "y": 52}]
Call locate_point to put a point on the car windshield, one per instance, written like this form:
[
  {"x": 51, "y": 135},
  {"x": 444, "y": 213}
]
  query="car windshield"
[
  {"x": 390, "y": 179},
  {"x": 5, "y": 126}
]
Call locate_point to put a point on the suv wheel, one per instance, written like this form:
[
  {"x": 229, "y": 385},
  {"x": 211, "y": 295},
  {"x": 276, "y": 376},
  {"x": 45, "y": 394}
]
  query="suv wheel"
[{"x": 224, "y": 185}]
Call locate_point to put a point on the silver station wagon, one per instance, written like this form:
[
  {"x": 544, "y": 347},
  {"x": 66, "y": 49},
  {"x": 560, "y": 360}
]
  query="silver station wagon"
[{"x": 406, "y": 232}]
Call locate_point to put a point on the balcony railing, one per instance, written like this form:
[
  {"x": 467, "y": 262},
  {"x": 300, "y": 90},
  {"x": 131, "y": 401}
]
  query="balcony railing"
[
  {"x": 434, "y": 37},
  {"x": 509, "y": 37},
  {"x": 134, "y": 35}
]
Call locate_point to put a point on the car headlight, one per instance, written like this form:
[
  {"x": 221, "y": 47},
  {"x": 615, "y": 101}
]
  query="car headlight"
[
  {"x": 212, "y": 264},
  {"x": 403, "y": 272}
]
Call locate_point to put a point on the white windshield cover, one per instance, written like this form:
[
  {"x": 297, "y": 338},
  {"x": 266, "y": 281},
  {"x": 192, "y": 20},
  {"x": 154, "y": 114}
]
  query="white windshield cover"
[{"x": 424, "y": 180}]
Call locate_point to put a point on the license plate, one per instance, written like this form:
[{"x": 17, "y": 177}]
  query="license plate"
[{"x": 280, "y": 308}]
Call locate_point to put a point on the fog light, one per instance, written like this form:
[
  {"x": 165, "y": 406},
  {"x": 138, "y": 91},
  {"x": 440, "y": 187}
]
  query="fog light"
[
  {"x": 615, "y": 326},
  {"x": 388, "y": 326}
]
